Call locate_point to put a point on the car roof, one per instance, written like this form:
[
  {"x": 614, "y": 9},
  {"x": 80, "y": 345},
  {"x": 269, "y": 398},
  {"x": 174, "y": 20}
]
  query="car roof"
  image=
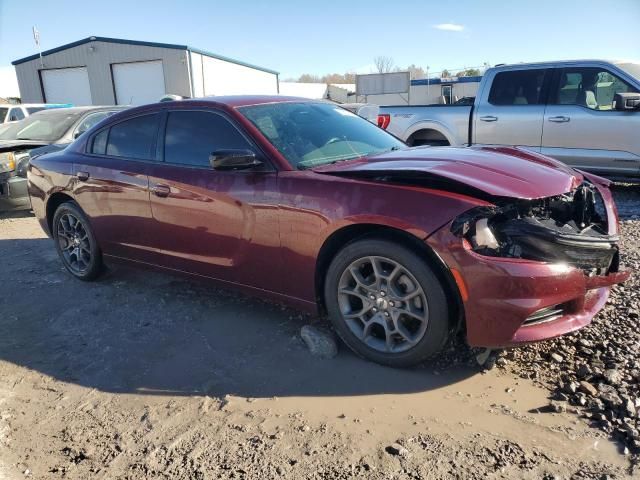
[
  {"x": 234, "y": 101},
  {"x": 563, "y": 62},
  {"x": 220, "y": 102},
  {"x": 77, "y": 110}
]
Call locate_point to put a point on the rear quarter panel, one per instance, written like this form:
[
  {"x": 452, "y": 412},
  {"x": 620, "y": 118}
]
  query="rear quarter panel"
[{"x": 47, "y": 175}]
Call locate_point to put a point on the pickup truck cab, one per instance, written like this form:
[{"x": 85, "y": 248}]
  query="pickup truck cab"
[{"x": 584, "y": 113}]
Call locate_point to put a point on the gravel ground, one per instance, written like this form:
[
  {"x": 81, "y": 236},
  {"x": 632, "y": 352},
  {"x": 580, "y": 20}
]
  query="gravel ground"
[
  {"x": 144, "y": 376},
  {"x": 597, "y": 369}
]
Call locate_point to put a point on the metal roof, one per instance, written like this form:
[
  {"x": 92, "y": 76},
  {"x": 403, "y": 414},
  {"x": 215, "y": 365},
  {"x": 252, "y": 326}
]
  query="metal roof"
[{"x": 141, "y": 43}]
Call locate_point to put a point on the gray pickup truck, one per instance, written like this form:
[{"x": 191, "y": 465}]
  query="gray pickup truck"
[{"x": 584, "y": 113}]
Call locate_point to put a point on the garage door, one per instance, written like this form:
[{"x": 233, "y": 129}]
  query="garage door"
[
  {"x": 138, "y": 83},
  {"x": 67, "y": 85}
]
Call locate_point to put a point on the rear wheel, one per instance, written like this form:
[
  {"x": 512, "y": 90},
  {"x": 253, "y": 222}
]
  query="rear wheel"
[
  {"x": 386, "y": 303},
  {"x": 76, "y": 242}
]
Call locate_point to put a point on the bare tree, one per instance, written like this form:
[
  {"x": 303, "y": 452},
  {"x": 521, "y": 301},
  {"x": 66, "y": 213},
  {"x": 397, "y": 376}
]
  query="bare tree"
[
  {"x": 383, "y": 64},
  {"x": 416, "y": 72},
  {"x": 469, "y": 72},
  {"x": 309, "y": 78}
]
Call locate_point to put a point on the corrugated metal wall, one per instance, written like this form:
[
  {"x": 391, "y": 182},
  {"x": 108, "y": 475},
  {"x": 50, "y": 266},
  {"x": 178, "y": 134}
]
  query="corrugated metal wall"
[
  {"x": 98, "y": 62},
  {"x": 213, "y": 76},
  {"x": 422, "y": 94}
]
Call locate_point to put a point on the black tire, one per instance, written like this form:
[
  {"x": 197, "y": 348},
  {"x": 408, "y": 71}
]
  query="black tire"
[
  {"x": 435, "y": 334},
  {"x": 81, "y": 265}
]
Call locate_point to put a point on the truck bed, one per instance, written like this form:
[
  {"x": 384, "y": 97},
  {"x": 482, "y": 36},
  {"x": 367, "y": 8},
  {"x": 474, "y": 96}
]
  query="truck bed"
[{"x": 429, "y": 124}]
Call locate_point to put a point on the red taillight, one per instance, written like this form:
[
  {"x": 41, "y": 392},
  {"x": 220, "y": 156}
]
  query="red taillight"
[{"x": 383, "y": 120}]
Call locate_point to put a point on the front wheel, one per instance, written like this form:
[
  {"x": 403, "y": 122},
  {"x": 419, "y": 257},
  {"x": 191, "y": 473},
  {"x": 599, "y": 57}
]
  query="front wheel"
[
  {"x": 386, "y": 303},
  {"x": 76, "y": 243}
]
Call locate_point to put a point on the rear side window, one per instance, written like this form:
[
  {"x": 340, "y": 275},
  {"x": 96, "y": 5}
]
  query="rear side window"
[
  {"x": 16, "y": 114},
  {"x": 192, "y": 136},
  {"x": 520, "y": 87},
  {"x": 133, "y": 138},
  {"x": 99, "y": 145}
]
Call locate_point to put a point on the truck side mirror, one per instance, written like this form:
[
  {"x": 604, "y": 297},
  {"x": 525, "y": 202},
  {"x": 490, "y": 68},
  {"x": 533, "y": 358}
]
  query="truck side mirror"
[{"x": 626, "y": 101}]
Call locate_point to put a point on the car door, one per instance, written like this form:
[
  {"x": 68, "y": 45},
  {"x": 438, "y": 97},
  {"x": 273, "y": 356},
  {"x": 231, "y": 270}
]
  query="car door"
[
  {"x": 221, "y": 224},
  {"x": 582, "y": 129},
  {"x": 112, "y": 186},
  {"x": 511, "y": 112}
]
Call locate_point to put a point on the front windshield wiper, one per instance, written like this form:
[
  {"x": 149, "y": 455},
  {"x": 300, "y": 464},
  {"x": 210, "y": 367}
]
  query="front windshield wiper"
[{"x": 300, "y": 166}]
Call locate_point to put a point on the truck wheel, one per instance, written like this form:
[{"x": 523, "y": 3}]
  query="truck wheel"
[
  {"x": 76, "y": 242},
  {"x": 386, "y": 303}
]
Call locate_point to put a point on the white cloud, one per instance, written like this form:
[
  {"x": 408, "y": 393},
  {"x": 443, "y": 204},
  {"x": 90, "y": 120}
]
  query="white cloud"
[
  {"x": 449, "y": 27},
  {"x": 8, "y": 82}
]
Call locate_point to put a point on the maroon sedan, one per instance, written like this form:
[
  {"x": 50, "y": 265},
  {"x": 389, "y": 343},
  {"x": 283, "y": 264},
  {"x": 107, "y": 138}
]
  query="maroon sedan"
[{"x": 306, "y": 203}]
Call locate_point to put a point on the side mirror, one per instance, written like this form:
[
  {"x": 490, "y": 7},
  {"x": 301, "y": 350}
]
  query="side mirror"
[
  {"x": 233, "y": 160},
  {"x": 626, "y": 101},
  {"x": 77, "y": 133}
]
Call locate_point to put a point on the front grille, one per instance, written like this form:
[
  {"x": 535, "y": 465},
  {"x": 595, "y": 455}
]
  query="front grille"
[{"x": 544, "y": 315}]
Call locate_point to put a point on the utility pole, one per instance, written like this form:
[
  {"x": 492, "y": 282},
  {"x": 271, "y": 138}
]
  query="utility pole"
[
  {"x": 428, "y": 84},
  {"x": 36, "y": 38}
]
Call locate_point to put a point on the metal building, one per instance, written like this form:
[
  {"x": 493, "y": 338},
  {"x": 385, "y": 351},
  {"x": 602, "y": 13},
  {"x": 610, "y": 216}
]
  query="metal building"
[
  {"x": 397, "y": 88},
  {"x": 112, "y": 71}
]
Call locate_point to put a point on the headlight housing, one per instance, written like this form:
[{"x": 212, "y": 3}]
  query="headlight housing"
[
  {"x": 7, "y": 162},
  {"x": 567, "y": 229}
]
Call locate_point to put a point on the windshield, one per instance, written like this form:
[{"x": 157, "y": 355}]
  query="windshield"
[
  {"x": 313, "y": 134},
  {"x": 3, "y": 114},
  {"x": 46, "y": 127},
  {"x": 632, "y": 69}
]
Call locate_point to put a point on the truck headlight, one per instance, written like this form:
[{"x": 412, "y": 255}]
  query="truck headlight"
[{"x": 7, "y": 162}]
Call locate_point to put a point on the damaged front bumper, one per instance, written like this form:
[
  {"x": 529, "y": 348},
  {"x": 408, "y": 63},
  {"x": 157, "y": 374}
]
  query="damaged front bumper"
[
  {"x": 532, "y": 271},
  {"x": 13, "y": 193}
]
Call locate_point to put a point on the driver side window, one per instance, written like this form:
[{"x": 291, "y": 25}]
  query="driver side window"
[
  {"x": 191, "y": 136},
  {"x": 589, "y": 87}
]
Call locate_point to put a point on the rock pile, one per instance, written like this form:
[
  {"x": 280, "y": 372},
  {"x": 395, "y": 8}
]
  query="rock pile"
[{"x": 597, "y": 370}]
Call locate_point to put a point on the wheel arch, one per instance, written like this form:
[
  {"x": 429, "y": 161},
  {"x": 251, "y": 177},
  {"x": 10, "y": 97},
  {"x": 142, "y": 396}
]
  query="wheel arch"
[
  {"x": 427, "y": 130},
  {"x": 352, "y": 233},
  {"x": 55, "y": 200}
]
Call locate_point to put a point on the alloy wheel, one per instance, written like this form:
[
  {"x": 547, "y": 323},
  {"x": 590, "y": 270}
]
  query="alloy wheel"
[
  {"x": 74, "y": 243},
  {"x": 383, "y": 304}
]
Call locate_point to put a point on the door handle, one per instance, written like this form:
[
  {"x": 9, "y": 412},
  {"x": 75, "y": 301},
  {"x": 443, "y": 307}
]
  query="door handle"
[
  {"x": 161, "y": 190},
  {"x": 82, "y": 176},
  {"x": 489, "y": 118},
  {"x": 559, "y": 119}
]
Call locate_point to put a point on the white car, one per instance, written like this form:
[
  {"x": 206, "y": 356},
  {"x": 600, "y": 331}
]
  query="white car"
[{"x": 10, "y": 112}]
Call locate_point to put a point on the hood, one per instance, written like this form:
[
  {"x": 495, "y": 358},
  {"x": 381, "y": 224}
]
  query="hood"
[
  {"x": 13, "y": 145},
  {"x": 495, "y": 171}
]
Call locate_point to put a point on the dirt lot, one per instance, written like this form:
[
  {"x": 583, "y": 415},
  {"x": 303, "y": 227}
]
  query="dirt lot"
[{"x": 143, "y": 375}]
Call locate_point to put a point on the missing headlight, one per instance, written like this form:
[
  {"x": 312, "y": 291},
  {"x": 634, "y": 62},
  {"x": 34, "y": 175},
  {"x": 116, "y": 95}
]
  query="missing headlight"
[
  {"x": 484, "y": 237},
  {"x": 569, "y": 228}
]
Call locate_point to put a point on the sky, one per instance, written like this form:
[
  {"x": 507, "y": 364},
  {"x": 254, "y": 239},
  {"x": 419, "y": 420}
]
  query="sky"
[{"x": 299, "y": 36}]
